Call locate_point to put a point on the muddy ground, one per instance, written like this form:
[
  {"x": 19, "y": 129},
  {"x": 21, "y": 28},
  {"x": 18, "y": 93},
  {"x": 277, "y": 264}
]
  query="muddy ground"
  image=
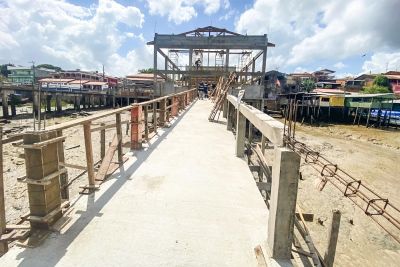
[
  {"x": 16, "y": 197},
  {"x": 371, "y": 155}
]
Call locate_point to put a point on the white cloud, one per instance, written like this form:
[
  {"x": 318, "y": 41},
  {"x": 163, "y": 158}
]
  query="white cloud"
[
  {"x": 340, "y": 65},
  {"x": 72, "y": 36},
  {"x": 380, "y": 62},
  {"x": 311, "y": 31},
  {"x": 179, "y": 11}
]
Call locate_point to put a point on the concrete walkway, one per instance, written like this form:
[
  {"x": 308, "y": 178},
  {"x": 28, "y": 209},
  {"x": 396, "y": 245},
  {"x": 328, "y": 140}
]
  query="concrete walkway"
[{"x": 184, "y": 201}]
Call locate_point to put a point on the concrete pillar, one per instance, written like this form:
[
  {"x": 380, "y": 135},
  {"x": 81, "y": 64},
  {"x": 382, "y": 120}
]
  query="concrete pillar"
[
  {"x": 4, "y": 102},
  {"x": 229, "y": 110},
  {"x": 48, "y": 102},
  {"x": 285, "y": 173},
  {"x": 43, "y": 199},
  {"x": 240, "y": 134},
  {"x": 58, "y": 103},
  {"x": 13, "y": 103},
  {"x": 225, "y": 109},
  {"x": 227, "y": 60}
]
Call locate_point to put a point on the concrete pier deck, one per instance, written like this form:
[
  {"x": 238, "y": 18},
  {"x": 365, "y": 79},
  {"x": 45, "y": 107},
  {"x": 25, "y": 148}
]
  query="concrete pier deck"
[{"x": 185, "y": 200}]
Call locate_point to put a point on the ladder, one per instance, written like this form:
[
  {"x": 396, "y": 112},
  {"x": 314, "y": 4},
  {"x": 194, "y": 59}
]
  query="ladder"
[{"x": 221, "y": 92}]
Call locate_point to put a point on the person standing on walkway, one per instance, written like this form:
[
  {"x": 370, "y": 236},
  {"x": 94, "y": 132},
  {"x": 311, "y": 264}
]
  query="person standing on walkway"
[
  {"x": 201, "y": 91},
  {"x": 206, "y": 90}
]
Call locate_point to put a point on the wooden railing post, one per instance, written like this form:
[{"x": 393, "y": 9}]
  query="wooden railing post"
[
  {"x": 163, "y": 107},
  {"x": 155, "y": 117},
  {"x": 102, "y": 141},
  {"x": 136, "y": 133},
  {"x": 3, "y": 244},
  {"x": 146, "y": 122},
  {"x": 119, "y": 135},
  {"x": 89, "y": 153},
  {"x": 285, "y": 172},
  {"x": 174, "y": 109}
]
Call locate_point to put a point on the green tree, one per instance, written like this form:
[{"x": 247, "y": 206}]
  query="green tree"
[
  {"x": 49, "y": 66},
  {"x": 381, "y": 80},
  {"x": 149, "y": 70},
  {"x": 380, "y": 85},
  {"x": 375, "y": 89},
  {"x": 307, "y": 85}
]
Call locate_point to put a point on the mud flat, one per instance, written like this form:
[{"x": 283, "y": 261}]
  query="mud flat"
[{"x": 371, "y": 155}]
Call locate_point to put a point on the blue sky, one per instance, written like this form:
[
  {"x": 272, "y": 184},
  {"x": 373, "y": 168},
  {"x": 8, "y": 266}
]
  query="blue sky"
[{"x": 348, "y": 36}]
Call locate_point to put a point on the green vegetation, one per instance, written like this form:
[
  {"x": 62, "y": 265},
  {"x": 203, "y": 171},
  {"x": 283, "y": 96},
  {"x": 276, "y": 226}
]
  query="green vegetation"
[
  {"x": 49, "y": 66},
  {"x": 380, "y": 86},
  {"x": 149, "y": 70},
  {"x": 307, "y": 85}
]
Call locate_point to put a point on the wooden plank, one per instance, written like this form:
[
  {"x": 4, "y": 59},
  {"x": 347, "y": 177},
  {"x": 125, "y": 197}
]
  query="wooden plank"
[
  {"x": 333, "y": 236},
  {"x": 45, "y": 180},
  {"x": 105, "y": 164},
  {"x": 73, "y": 166},
  {"x": 40, "y": 145},
  {"x": 89, "y": 152}
]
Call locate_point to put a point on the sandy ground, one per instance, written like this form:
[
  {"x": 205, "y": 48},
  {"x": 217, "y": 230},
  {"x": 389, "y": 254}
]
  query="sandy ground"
[
  {"x": 371, "y": 155},
  {"x": 16, "y": 197}
]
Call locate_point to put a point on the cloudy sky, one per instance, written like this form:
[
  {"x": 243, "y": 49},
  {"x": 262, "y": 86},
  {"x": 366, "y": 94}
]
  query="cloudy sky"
[{"x": 349, "y": 36}]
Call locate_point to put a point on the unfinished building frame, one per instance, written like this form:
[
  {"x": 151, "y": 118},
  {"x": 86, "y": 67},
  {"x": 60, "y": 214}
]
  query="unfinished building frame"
[{"x": 217, "y": 45}]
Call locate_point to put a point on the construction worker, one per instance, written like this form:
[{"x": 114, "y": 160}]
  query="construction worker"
[{"x": 197, "y": 63}]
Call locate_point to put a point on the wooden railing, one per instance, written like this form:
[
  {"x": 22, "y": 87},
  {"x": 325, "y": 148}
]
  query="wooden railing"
[{"x": 46, "y": 166}]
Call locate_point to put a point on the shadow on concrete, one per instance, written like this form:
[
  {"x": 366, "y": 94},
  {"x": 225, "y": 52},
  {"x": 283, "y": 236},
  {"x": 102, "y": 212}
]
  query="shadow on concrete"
[{"x": 40, "y": 256}]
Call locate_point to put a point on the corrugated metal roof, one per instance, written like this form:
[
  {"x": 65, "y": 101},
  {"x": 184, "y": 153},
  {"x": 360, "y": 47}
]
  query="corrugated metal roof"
[
  {"x": 52, "y": 80},
  {"x": 78, "y": 81},
  {"x": 96, "y": 83}
]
